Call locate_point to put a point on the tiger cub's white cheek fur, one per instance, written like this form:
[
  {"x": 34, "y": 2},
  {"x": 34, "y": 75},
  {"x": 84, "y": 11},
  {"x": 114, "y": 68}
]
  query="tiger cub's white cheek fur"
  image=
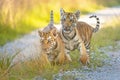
[
  {"x": 53, "y": 44},
  {"x": 49, "y": 38},
  {"x": 42, "y": 38}
]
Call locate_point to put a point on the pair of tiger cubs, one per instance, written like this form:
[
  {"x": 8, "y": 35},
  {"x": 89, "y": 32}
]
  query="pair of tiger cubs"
[{"x": 74, "y": 34}]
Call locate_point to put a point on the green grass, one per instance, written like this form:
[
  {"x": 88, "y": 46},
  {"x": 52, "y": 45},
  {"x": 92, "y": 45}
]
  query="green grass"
[
  {"x": 109, "y": 2},
  {"x": 8, "y": 34},
  {"x": 5, "y": 62},
  {"x": 24, "y": 18},
  {"x": 4, "y": 36},
  {"x": 109, "y": 34}
]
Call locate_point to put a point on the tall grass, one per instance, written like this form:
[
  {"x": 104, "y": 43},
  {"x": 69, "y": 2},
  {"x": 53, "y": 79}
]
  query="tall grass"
[
  {"x": 18, "y": 17},
  {"x": 109, "y": 34},
  {"x": 5, "y": 62}
]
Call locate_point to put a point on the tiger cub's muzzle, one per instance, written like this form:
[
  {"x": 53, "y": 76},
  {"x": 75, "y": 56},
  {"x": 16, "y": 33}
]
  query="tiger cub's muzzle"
[{"x": 68, "y": 28}]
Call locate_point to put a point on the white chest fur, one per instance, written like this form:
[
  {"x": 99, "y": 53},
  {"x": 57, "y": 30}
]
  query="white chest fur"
[{"x": 73, "y": 43}]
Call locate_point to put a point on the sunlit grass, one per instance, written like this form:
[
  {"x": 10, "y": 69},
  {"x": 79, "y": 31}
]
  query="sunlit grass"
[
  {"x": 23, "y": 16},
  {"x": 5, "y": 62},
  {"x": 109, "y": 34},
  {"x": 4, "y": 36},
  {"x": 30, "y": 69}
]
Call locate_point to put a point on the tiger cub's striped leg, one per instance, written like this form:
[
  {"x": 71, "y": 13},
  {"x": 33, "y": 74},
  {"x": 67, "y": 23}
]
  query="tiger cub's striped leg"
[
  {"x": 67, "y": 54},
  {"x": 84, "y": 57},
  {"x": 44, "y": 59},
  {"x": 87, "y": 46},
  {"x": 62, "y": 58}
]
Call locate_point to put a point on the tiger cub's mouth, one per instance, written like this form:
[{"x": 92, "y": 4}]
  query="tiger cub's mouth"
[{"x": 67, "y": 30}]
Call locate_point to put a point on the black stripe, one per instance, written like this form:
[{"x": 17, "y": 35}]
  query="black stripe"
[
  {"x": 67, "y": 48},
  {"x": 98, "y": 22},
  {"x": 97, "y": 25},
  {"x": 64, "y": 35},
  {"x": 76, "y": 40},
  {"x": 79, "y": 43},
  {"x": 87, "y": 46},
  {"x": 97, "y": 18},
  {"x": 74, "y": 35},
  {"x": 65, "y": 42},
  {"x": 79, "y": 46}
]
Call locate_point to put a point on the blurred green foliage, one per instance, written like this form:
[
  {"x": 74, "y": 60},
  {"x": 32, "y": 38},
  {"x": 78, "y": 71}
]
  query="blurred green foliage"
[{"x": 18, "y": 17}]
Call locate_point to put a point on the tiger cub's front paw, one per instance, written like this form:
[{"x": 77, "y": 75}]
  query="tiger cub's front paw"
[{"x": 85, "y": 59}]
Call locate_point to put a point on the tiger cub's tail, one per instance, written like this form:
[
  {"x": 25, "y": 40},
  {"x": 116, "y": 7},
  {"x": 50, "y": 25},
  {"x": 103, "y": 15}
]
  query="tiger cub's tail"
[
  {"x": 98, "y": 23},
  {"x": 51, "y": 18}
]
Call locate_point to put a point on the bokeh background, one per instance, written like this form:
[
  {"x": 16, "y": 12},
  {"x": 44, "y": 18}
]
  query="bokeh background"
[{"x": 18, "y": 17}]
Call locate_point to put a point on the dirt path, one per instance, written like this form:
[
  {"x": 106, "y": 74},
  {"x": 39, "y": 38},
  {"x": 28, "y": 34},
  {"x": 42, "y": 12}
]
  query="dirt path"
[
  {"x": 29, "y": 45},
  {"x": 110, "y": 71}
]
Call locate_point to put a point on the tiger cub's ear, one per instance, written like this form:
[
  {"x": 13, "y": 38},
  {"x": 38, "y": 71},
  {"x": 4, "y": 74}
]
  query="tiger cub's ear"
[
  {"x": 77, "y": 14},
  {"x": 61, "y": 11},
  {"x": 54, "y": 32},
  {"x": 40, "y": 33}
]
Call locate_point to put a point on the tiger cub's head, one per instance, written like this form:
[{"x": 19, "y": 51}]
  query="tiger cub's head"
[
  {"x": 48, "y": 41},
  {"x": 69, "y": 19}
]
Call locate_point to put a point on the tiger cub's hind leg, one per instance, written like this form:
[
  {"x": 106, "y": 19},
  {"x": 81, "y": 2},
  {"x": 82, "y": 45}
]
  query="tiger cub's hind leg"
[
  {"x": 84, "y": 57},
  {"x": 87, "y": 46}
]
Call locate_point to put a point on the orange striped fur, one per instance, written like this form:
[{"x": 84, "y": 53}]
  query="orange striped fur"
[{"x": 77, "y": 34}]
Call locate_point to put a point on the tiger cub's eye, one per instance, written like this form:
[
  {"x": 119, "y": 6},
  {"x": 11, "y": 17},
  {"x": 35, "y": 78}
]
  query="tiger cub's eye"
[{"x": 64, "y": 17}]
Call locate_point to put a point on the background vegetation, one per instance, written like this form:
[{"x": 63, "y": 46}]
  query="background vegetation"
[{"x": 18, "y": 17}]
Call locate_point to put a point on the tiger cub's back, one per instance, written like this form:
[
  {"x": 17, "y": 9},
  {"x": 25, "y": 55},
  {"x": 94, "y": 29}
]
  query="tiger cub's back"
[{"x": 85, "y": 30}]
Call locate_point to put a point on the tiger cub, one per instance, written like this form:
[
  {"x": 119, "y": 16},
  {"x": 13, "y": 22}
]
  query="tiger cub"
[
  {"x": 52, "y": 45},
  {"x": 77, "y": 34}
]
